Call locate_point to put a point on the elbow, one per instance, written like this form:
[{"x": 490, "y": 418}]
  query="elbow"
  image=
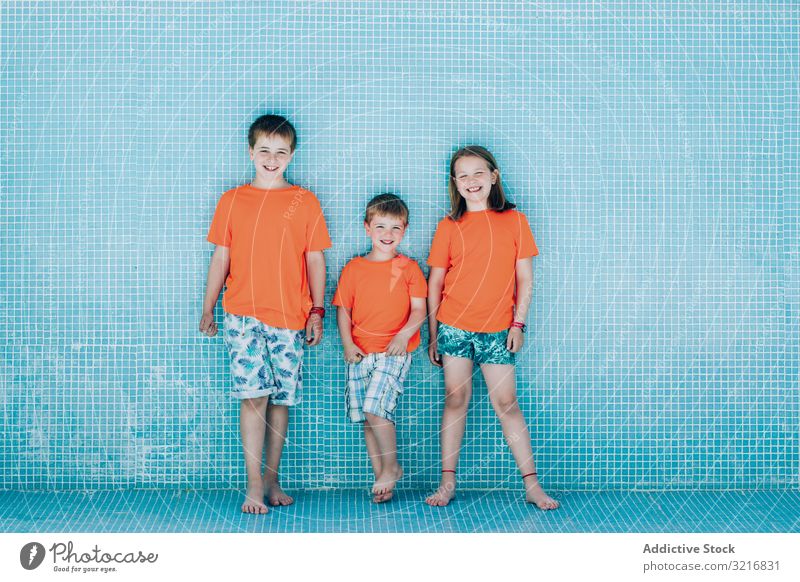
[
  {"x": 315, "y": 258},
  {"x": 221, "y": 261},
  {"x": 435, "y": 285}
]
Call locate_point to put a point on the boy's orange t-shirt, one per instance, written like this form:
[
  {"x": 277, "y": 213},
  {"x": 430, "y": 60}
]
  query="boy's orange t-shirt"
[
  {"x": 269, "y": 232},
  {"x": 480, "y": 253},
  {"x": 379, "y": 295}
]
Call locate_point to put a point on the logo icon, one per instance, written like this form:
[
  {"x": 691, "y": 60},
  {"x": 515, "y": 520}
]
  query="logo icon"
[{"x": 31, "y": 555}]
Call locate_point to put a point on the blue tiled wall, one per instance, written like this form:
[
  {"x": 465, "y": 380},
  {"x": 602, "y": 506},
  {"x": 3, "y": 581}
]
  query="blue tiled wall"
[{"x": 654, "y": 148}]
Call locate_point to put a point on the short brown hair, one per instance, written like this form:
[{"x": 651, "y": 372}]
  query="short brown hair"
[
  {"x": 272, "y": 125},
  {"x": 386, "y": 205}
]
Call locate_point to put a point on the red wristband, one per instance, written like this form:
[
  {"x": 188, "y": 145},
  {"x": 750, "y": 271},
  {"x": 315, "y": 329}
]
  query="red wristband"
[
  {"x": 519, "y": 325},
  {"x": 319, "y": 310}
]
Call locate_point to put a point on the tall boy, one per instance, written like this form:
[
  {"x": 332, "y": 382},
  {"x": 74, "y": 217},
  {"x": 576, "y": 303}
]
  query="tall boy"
[
  {"x": 270, "y": 236},
  {"x": 381, "y": 301}
]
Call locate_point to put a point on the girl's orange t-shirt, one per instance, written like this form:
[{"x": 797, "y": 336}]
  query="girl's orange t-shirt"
[
  {"x": 480, "y": 253},
  {"x": 379, "y": 295},
  {"x": 269, "y": 232}
]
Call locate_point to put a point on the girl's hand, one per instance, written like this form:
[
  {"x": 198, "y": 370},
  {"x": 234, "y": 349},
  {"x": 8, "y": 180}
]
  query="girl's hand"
[
  {"x": 313, "y": 329},
  {"x": 207, "y": 324},
  {"x": 353, "y": 354},
  {"x": 433, "y": 353},
  {"x": 398, "y": 346},
  {"x": 515, "y": 340}
]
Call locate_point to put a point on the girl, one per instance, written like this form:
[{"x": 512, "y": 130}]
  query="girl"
[{"x": 480, "y": 252}]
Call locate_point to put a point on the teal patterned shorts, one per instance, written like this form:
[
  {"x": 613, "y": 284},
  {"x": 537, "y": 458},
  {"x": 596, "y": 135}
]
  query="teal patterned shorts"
[
  {"x": 480, "y": 347},
  {"x": 374, "y": 385},
  {"x": 265, "y": 360}
]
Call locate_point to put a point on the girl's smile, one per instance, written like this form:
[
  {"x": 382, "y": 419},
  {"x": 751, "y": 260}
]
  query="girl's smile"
[{"x": 474, "y": 180}]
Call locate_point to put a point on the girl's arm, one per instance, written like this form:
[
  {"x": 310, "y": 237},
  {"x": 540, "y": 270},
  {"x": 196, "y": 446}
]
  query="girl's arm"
[
  {"x": 524, "y": 281},
  {"x": 435, "y": 286},
  {"x": 315, "y": 267},
  {"x": 524, "y": 289},
  {"x": 217, "y": 273}
]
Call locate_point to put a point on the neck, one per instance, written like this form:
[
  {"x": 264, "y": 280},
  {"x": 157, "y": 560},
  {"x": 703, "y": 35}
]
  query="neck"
[
  {"x": 275, "y": 183},
  {"x": 380, "y": 256},
  {"x": 476, "y": 206}
]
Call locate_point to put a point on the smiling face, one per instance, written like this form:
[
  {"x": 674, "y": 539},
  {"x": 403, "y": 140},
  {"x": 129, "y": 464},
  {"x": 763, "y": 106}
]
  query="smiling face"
[
  {"x": 271, "y": 155},
  {"x": 474, "y": 179},
  {"x": 386, "y": 232}
]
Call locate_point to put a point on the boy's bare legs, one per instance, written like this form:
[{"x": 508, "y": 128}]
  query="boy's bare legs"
[
  {"x": 252, "y": 424},
  {"x": 277, "y": 425},
  {"x": 501, "y": 382},
  {"x": 384, "y": 432},
  {"x": 458, "y": 391},
  {"x": 373, "y": 450}
]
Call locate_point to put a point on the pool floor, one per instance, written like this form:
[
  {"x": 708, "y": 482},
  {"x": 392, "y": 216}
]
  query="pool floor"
[{"x": 352, "y": 511}]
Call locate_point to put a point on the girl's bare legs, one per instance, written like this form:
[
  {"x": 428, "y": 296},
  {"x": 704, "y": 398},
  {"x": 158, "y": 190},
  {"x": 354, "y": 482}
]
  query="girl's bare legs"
[
  {"x": 501, "y": 382},
  {"x": 252, "y": 424},
  {"x": 277, "y": 424},
  {"x": 458, "y": 391},
  {"x": 384, "y": 432}
]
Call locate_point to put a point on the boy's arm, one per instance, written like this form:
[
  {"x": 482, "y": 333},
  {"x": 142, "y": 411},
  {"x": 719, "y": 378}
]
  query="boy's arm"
[
  {"x": 399, "y": 344},
  {"x": 217, "y": 273},
  {"x": 352, "y": 352},
  {"x": 315, "y": 267},
  {"x": 435, "y": 286},
  {"x": 415, "y": 318}
]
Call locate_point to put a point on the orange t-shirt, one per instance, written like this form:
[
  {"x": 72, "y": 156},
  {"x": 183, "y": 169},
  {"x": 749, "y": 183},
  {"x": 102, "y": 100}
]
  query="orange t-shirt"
[
  {"x": 269, "y": 232},
  {"x": 480, "y": 253},
  {"x": 379, "y": 294}
]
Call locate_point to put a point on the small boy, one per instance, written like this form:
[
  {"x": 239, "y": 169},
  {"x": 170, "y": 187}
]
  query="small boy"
[
  {"x": 381, "y": 299},
  {"x": 270, "y": 236}
]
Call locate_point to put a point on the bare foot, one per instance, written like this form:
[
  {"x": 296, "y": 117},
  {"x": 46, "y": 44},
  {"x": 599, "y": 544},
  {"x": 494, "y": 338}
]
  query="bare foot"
[
  {"x": 276, "y": 496},
  {"x": 383, "y": 489},
  {"x": 254, "y": 499},
  {"x": 444, "y": 494},
  {"x": 536, "y": 495}
]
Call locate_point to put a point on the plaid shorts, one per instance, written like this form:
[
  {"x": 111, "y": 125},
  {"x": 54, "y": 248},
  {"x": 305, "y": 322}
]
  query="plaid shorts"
[
  {"x": 374, "y": 385},
  {"x": 480, "y": 347},
  {"x": 265, "y": 360}
]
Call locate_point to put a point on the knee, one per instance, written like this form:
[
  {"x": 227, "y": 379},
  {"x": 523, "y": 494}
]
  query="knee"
[
  {"x": 456, "y": 399},
  {"x": 506, "y": 404}
]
